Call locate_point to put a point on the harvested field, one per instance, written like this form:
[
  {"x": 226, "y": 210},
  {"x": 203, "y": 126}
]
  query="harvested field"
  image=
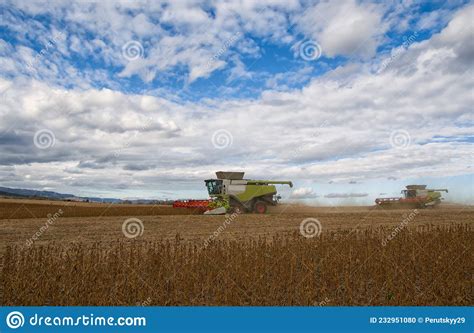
[
  {"x": 197, "y": 228},
  {"x": 362, "y": 256}
]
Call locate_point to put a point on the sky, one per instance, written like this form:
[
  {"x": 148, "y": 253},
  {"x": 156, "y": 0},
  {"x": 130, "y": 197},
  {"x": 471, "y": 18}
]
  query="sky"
[{"x": 351, "y": 100}]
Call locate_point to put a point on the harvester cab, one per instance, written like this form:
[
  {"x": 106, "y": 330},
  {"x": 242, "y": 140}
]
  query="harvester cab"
[{"x": 231, "y": 192}]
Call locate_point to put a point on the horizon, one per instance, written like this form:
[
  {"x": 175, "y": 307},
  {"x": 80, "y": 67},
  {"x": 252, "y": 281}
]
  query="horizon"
[{"x": 329, "y": 200}]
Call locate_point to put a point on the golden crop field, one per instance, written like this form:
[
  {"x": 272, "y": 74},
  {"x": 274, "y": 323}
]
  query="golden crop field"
[{"x": 360, "y": 256}]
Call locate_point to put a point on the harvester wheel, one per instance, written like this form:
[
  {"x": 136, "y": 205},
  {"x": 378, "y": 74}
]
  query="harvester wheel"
[{"x": 260, "y": 207}]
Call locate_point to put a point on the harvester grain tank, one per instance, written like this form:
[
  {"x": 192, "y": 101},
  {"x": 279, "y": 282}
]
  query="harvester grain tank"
[{"x": 416, "y": 196}]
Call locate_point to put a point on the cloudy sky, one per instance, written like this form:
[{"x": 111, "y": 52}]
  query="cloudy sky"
[{"x": 349, "y": 99}]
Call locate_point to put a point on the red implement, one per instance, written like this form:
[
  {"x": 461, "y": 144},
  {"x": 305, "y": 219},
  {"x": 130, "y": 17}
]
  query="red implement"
[
  {"x": 415, "y": 202},
  {"x": 380, "y": 201},
  {"x": 420, "y": 199},
  {"x": 200, "y": 204}
]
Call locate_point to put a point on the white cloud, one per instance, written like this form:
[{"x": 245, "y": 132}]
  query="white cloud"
[
  {"x": 303, "y": 193},
  {"x": 183, "y": 35},
  {"x": 346, "y": 28},
  {"x": 337, "y": 127},
  {"x": 346, "y": 195}
]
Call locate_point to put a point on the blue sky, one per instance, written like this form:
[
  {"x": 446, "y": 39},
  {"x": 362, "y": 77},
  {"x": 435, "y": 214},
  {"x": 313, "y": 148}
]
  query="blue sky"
[{"x": 134, "y": 99}]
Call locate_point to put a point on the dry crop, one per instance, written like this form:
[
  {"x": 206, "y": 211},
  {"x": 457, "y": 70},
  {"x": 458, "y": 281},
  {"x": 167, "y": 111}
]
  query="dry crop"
[{"x": 424, "y": 266}]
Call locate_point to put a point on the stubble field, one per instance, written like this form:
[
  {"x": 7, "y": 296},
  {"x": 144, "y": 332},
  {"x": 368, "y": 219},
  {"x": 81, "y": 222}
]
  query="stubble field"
[{"x": 87, "y": 254}]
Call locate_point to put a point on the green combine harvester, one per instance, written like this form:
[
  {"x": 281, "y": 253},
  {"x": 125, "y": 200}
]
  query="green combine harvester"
[
  {"x": 230, "y": 192},
  {"x": 414, "y": 196}
]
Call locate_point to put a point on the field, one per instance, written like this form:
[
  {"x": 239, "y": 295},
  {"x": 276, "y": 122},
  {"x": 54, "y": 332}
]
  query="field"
[
  {"x": 82, "y": 254},
  {"x": 21, "y": 209}
]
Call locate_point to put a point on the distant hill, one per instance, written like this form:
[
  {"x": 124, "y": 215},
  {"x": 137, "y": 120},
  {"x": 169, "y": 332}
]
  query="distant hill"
[
  {"x": 19, "y": 192},
  {"x": 33, "y": 193},
  {"x": 24, "y": 193},
  {"x": 9, "y": 194}
]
